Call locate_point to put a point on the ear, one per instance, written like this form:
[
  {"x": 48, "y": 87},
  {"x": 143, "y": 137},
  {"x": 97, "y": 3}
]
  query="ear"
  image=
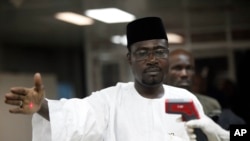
[{"x": 129, "y": 57}]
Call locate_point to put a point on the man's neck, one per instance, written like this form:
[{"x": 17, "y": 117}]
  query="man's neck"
[{"x": 150, "y": 92}]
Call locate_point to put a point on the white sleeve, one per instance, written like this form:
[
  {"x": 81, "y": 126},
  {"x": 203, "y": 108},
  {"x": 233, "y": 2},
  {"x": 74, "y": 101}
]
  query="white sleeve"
[
  {"x": 41, "y": 130},
  {"x": 70, "y": 120}
]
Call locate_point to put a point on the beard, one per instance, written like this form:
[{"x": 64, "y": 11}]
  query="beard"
[{"x": 152, "y": 80}]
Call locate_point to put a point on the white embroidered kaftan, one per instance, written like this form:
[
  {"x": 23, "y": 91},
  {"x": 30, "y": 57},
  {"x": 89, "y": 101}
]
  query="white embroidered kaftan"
[{"x": 116, "y": 113}]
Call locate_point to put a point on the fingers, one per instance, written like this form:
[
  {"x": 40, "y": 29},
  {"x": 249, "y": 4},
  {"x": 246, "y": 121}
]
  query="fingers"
[
  {"x": 190, "y": 130},
  {"x": 19, "y": 91},
  {"x": 194, "y": 123},
  {"x": 14, "y": 99},
  {"x": 16, "y": 110},
  {"x": 14, "y": 96},
  {"x": 179, "y": 119},
  {"x": 191, "y": 134},
  {"x": 13, "y": 102},
  {"x": 193, "y": 139},
  {"x": 38, "y": 82}
]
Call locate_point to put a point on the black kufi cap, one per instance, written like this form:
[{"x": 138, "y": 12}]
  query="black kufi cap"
[{"x": 145, "y": 29}]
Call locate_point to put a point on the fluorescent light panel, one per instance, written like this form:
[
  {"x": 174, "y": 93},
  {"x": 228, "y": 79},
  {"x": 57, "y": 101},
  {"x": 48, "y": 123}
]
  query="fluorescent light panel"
[
  {"x": 110, "y": 15},
  {"x": 174, "y": 38},
  {"x": 74, "y": 18}
]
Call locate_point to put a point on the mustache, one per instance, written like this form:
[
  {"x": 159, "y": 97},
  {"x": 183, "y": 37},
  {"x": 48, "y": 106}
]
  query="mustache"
[
  {"x": 153, "y": 68},
  {"x": 185, "y": 81}
]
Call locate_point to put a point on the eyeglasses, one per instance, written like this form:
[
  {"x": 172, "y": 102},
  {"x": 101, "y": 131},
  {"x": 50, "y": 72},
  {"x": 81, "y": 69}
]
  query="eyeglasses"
[{"x": 143, "y": 54}]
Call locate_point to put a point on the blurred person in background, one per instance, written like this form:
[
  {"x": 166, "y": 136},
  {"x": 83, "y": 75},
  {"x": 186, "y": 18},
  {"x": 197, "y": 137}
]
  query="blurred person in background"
[
  {"x": 227, "y": 94},
  {"x": 181, "y": 73}
]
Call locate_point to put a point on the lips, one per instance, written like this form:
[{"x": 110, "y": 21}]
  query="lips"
[
  {"x": 184, "y": 83},
  {"x": 152, "y": 71}
]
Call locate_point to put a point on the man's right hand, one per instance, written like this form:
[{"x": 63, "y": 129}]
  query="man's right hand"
[{"x": 28, "y": 100}]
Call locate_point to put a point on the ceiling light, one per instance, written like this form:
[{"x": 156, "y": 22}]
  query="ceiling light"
[
  {"x": 119, "y": 39},
  {"x": 174, "y": 38},
  {"x": 74, "y": 18},
  {"x": 110, "y": 15}
]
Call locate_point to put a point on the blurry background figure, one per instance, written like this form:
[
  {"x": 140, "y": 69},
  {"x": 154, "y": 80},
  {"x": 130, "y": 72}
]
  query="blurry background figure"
[
  {"x": 227, "y": 95},
  {"x": 216, "y": 105},
  {"x": 181, "y": 74},
  {"x": 199, "y": 84}
]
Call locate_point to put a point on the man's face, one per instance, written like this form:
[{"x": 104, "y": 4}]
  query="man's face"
[
  {"x": 181, "y": 70},
  {"x": 149, "y": 61}
]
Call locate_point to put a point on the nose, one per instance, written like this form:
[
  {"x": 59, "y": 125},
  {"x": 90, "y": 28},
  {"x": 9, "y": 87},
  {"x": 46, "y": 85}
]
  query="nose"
[
  {"x": 151, "y": 57},
  {"x": 183, "y": 72}
]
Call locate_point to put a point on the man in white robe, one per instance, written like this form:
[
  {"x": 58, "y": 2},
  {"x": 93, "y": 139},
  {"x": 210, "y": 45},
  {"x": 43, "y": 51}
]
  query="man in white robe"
[
  {"x": 132, "y": 111},
  {"x": 117, "y": 113}
]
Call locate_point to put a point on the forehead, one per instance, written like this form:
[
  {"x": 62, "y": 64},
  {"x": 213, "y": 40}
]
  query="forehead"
[
  {"x": 181, "y": 59},
  {"x": 150, "y": 44}
]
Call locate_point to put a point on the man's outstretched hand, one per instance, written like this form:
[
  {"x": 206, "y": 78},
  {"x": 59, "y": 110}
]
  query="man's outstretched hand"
[{"x": 27, "y": 100}]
